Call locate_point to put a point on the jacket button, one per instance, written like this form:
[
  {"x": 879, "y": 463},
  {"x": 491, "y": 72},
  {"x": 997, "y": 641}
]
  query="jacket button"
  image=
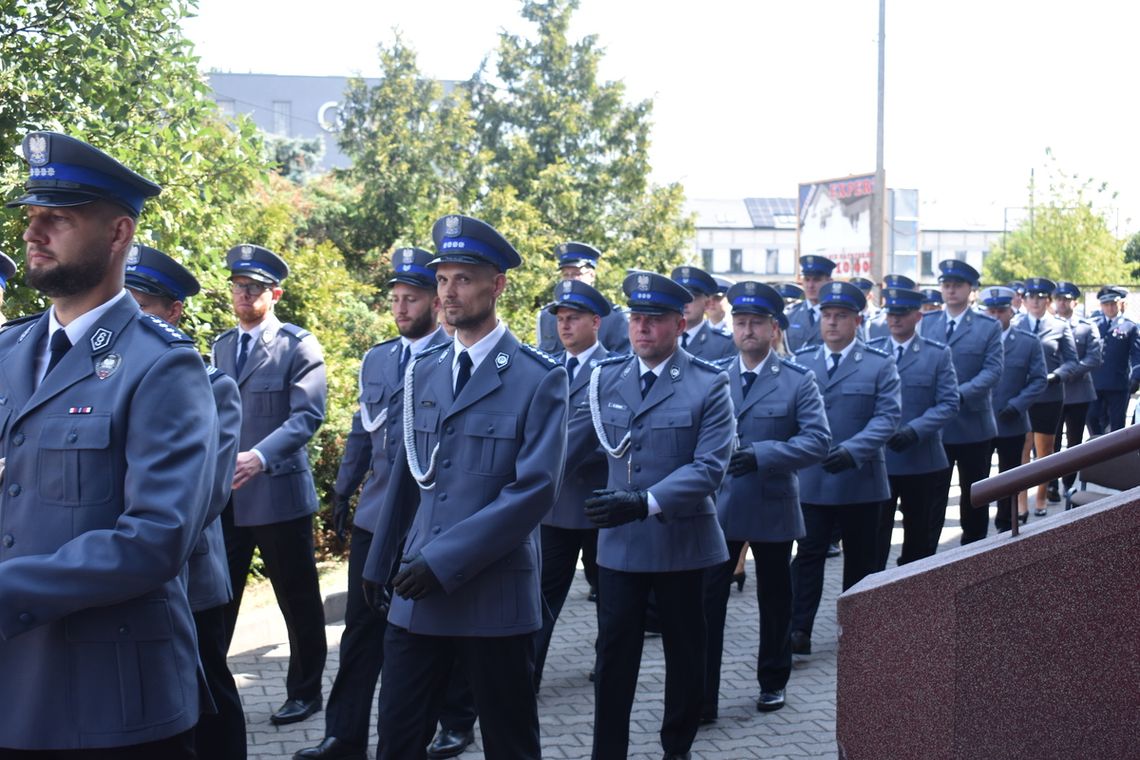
[
  {"x": 436, "y": 530},
  {"x": 26, "y": 618},
  {"x": 449, "y": 430},
  {"x": 490, "y": 428},
  {"x": 443, "y": 497},
  {"x": 72, "y": 437},
  {"x": 637, "y": 468},
  {"x": 18, "y": 439},
  {"x": 637, "y": 447},
  {"x": 445, "y": 463},
  {"x": 124, "y": 630},
  {"x": 14, "y": 489},
  {"x": 8, "y": 540}
]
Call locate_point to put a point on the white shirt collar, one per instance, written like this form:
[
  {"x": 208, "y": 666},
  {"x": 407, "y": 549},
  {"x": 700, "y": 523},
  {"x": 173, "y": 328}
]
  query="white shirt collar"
[
  {"x": 827, "y": 352},
  {"x": 1007, "y": 331},
  {"x": 419, "y": 344},
  {"x": 759, "y": 367},
  {"x": 692, "y": 331},
  {"x": 480, "y": 350},
  {"x": 584, "y": 356},
  {"x": 76, "y": 329},
  {"x": 643, "y": 367},
  {"x": 903, "y": 346}
]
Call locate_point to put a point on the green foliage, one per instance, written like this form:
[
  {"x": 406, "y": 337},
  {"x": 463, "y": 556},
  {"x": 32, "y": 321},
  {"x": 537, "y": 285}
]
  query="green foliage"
[
  {"x": 1132, "y": 256},
  {"x": 1065, "y": 238},
  {"x": 294, "y": 158}
]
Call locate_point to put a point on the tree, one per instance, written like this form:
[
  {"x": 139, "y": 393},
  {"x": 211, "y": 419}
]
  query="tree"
[
  {"x": 1065, "y": 238},
  {"x": 1132, "y": 256}
]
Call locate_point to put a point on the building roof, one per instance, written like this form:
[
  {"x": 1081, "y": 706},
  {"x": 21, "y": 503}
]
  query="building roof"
[
  {"x": 772, "y": 213},
  {"x": 744, "y": 213}
]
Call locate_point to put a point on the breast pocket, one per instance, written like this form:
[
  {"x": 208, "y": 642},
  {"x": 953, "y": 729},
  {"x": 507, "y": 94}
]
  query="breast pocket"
[
  {"x": 425, "y": 423},
  {"x": 75, "y": 464},
  {"x": 917, "y": 390},
  {"x": 859, "y": 398},
  {"x": 766, "y": 420},
  {"x": 490, "y": 446},
  {"x": 268, "y": 395},
  {"x": 672, "y": 431},
  {"x": 615, "y": 422}
]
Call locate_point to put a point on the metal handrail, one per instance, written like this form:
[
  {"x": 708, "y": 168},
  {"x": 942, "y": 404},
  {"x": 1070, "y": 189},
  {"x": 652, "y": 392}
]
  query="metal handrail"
[{"x": 1053, "y": 466}]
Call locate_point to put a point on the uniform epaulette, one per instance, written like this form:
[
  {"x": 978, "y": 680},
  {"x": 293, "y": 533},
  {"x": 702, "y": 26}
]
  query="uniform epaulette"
[
  {"x": 165, "y": 330},
  {"x": 1023, "y": 331},
  {"x": 876, "y": 342},
  {"x": 706, "y": 364},
  {"x": 794, "y": 365},
  {"x": 214, "y": 373},
  {"x": 932, "y": 342},
  {"x": 612, "y": 360},
  {"x": 931, "y": 313},
  {"x": 20, "y": 321},
  {"x": 227, "y": 332},
  {"x": 725, "y": 362},
  {"x": 805, "y": 349},
  {"x": 877, "y": 351},
  {"x": 299, "y": 333},
  {"x": 983, "y": 315},
  {"x": 543, "y": 358},
  {"x": 434, "y": 347}
]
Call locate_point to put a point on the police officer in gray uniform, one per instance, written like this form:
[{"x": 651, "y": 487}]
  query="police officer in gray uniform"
[
  {"x": 1119, "y": 376},
  {"x": 415, "y": 309},
  {"x": 860, "y": 388},
  {"x": 803, "y": 318},
  {"x": 1021, "y": 384},
  {"x": 566, "y": 531},
  {"x": 110, "y": 439},
  {"x": 699, "y": 339},
  {"x": 877, "y": 327},
  {"x": 1079, "y": 389},
  {"x": 579, "y": 262},
  {"x": 7, "y": 271},
  {"x": 665, "y": 420},
  {"x": 281, "y": 373},
  {"x": 975, "y": 344},
  {"x": 161, "y": 286},
  {"x": 780, "y": 427},
  {"x": 484, "y": 436},
  {"x": 915, "y": 457}
]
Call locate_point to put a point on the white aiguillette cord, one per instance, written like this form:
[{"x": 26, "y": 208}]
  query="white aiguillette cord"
[
  {"x": 369, "y": 423},
  {"x": 426, "y": 479},
  {"x": 617, "y": 452}
]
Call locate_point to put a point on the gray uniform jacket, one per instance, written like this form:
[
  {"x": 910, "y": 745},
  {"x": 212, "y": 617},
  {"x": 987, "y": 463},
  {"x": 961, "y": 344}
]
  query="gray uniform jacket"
[
  {"x": 802, "y": 330},
  {"x": 497, "y": 471},
  {"x": 382, "y": 410},
  {"x": 585, "y": 461},
  {"x": 783, "y": 422},
  {"x": 976, "y": 349},
  {"x": 1079, "y": 388},
  {"x": 1056, "y": 336},
  {"x": 681, "y": 437},
  {"x": 109, "y": 467},
  {"x": 929, "y": 401},
  {"x": 209, "y": 581},
  {"x": 710, "y": 345},
  {"x": 355, "y": 460},
  {"x": 613, "y": 332},
  {"x": 1022, "y": 380},
  {"x": 283, "y": 392},
  {"x": 863, "y": 408}
]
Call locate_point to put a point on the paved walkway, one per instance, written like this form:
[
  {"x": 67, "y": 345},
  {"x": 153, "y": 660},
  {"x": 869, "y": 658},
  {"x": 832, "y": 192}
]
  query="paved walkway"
[{"x": 805, "y": 728}]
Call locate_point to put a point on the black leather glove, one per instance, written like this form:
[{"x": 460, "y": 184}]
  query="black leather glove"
[
  {"x": 1008, "y": 414},
  {"x": 1133, "y": 387},
  {"x": 377, "y": 597},
  {"x": 415, "y": 579},
  {"x": 608, "y": 509},
  {"x": 904, "y": 438},
  {"x": 340, "y": 516},
  {"x": 838, "y": 460},
  {"x": 1052, "y": 378},
  {"x": 743, "y": 461}
]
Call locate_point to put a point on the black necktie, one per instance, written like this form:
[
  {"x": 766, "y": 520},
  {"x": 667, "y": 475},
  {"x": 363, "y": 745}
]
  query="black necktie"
[
  {"x": 1036, "y": 326},
  {"x": 684, "y": 340},
  {"x": 834, "y": 364},
  {"x": 811, "y": 316},
  {"x": 898, "y": 360},
  {"x": 404, "y": 356},
  {"x": 243, "y": 352},
  {"x": 746, "y": 380},
  {"x": 950, "y": 330},
  {"x": 60, "y": 344},
  {"x": 464, "y": 371},
  {"x": 572, "y": 367},
  {"x": 647, "y": 381}
]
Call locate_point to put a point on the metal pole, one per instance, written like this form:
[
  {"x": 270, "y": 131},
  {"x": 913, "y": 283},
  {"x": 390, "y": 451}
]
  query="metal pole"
[{"x": 878, "y": 247}]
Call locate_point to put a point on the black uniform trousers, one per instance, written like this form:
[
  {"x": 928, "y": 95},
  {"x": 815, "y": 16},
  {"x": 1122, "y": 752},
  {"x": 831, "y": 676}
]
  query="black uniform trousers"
[
  {"x": 858, "y": 526},
  {"x": 287, "y": 551},
  {"x": 219, "y": 735},
  {"x": 1106, "y": 413},
  {"x": 973, "y": 461},
  {"x": 1072, "y": 423},
  {"x": 177, "y": 747},
  {"x": 560, "y": 549},
  {"x": 349, "y": 713},
  {"x": 500, "y": 670},
  {"x": 622, "y": 602},
  {"x": 1009, "y": 451},
  {"x": 917, "y": 498},
  {"x": 774, "y": 595}
]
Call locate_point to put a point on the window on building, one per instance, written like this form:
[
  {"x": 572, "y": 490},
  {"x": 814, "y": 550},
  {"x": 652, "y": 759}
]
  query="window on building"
[
  {"x": 736, "y": 260},
  {"x": 927, "y": 264},
  {"x": 282, "y": 117},
  {"x": 787, "y": 258},
  {"x": 772, "y": 261},
  {"x": 707, "y": 259},
  {"x": 905, "y": 263}
]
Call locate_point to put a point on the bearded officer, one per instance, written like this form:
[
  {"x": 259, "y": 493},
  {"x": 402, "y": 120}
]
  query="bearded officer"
[
  {"x": 578, "y": 262},
  {"x": 110, "y": 438},
  {"x": 484, "y": 438},
  {"x": 699, "y": 339},
  {"x": 665, "y": 420},
  {"x": 280, "y": 370},
  {"x": 803, "y": 318},
  {"x": 781, "y": 427}
]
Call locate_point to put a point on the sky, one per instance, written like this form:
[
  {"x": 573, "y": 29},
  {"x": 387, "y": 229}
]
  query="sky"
[{"x": 752, "y": 98}]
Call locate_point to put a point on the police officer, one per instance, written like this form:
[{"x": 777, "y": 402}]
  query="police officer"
[
  {"x": 803, "y": 318},
  {"x": 1023, "y": 380},
  {"x": 699, "y": 339},
  {"x": 1062, "y": 365},
  {"x": 484, "y": 441},
  {"x": 161, "y": 286},
  {"x": 717, "y": 316},
  {"x": 915, "y": 457},
  {"x": 975, "y": 344},
  {"x": 7, "y": 271},
  {"x": 415, "y": 310},
  {"x": 877, "y": 327},
  {"x": 860, "y": 388},
  {"x": 791, "y": 293},
  {"x": 931, "y": 299},
  {"x": 1079, "y": 390},
  {"x": 578, "y": 261},
  {"x": 110, "y": 438},
  {"x": 1119, "y": 376},
  {"x": 565, "y": 530},
  {"x": 281, "y": 373},
  {"x": 665, "y": 420},
  {"x": 1017, "y": 306},
  {"x": 781, "y": 427}
]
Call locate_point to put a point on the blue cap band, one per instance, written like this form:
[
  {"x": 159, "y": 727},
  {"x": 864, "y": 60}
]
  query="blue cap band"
[
  {"x": 416, "y": 269},
  {"x": 579, "y": 299},
  {"x": 256, "y": 265},
  {"x": 653, "y": 297},
  {"x": 146, "y": 273},
  {"x": 754, "y": 301},
  {"x": 47, "y": 176},
  {"x": 3, "y": 282},
  {"x": 461, "y": 245}
]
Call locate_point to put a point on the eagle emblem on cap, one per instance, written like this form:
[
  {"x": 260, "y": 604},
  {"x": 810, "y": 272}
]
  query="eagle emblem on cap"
[
  {"x": 567, "y": 287},
  {"x": 562, "y": 249},
  {"x": 409, "y": 255},
  {"x": 893, "y": 293},
  {"x": 643, "y": 282},
  {"x": 452, "y": 225},
  {"x": 247, "y": 253},
  {"x": 837, "y": 288},
  {"x": 685, "y": 272},
  {"x": 37, "y": 150},
  {"x": 750, "y": 288},
  {"x": 993, "y": 292},
  {"x": 809, "y": 260},
  {"x": 133, "y": 256}
]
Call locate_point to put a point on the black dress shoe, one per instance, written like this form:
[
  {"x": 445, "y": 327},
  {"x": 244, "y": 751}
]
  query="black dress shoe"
[
  {"x": 294, "y": 711},
  {"x": 707, "y": 719},
  {"x": 332, "y": 748},
  {"x": 593, "y": 595},
  {"x": 801, "y": 643},
  {"x": 448, "y": 743},
  {"x": 833, "y": 550},
  {"x": 770, "y": 700},
  {"x": 677, "y": 756}
]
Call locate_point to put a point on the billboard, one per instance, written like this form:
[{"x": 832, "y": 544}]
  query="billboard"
[{"x": 835, "y": 221}]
